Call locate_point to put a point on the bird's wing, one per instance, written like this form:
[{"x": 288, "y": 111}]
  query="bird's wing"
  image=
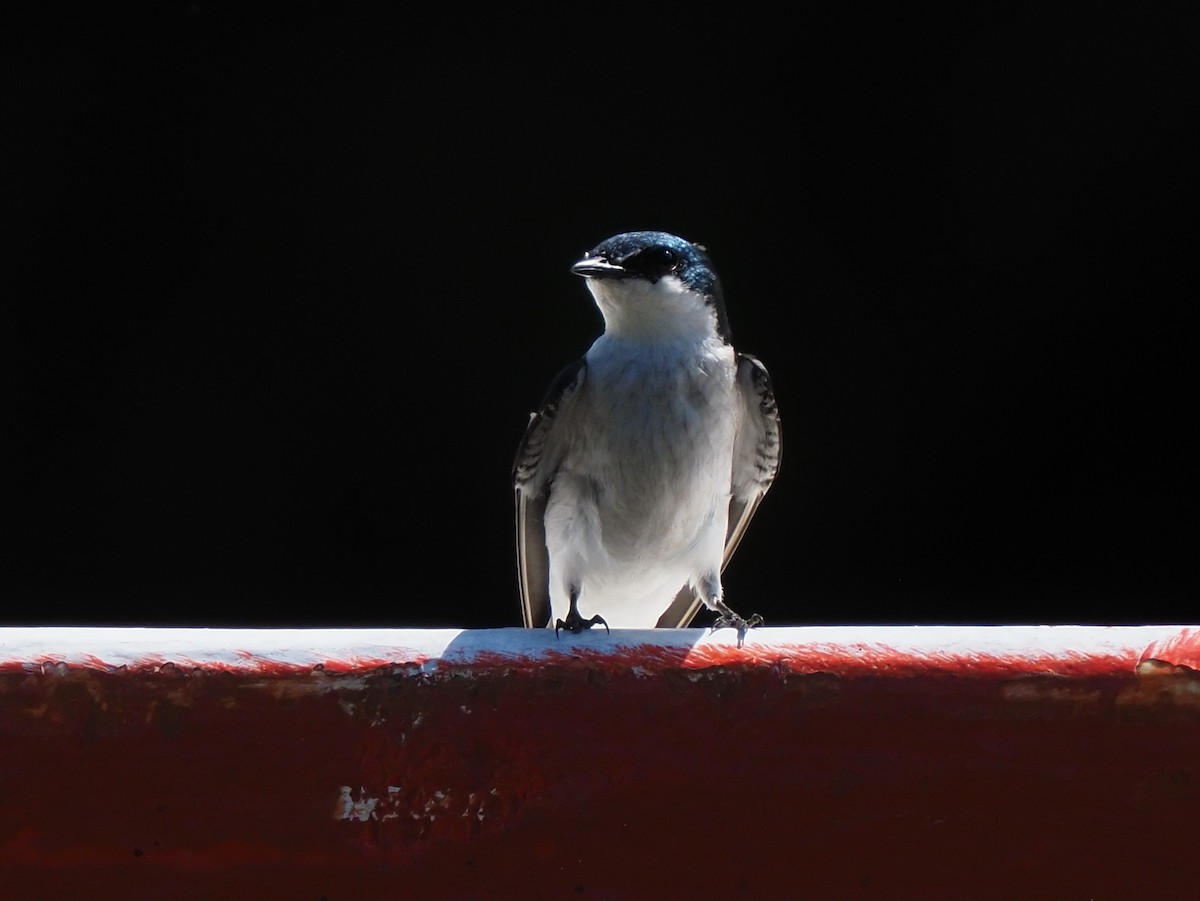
[
  {"x": 537, "y": 459},
  {"x": 757, "y": 450}
]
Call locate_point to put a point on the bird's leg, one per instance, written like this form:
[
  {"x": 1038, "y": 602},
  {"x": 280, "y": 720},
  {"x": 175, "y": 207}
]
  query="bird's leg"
[
  {"x": 726, "y": 618},
  {"x": 576, "y": 623}
]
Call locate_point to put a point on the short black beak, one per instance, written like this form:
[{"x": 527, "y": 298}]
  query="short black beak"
[{"x": 597, "y": 267}]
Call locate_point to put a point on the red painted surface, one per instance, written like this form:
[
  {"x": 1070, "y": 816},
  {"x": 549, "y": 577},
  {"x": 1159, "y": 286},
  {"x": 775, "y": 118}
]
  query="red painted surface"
[
  {"x": 1181, "y": 649},
  {"x": 648, "y": 772}
]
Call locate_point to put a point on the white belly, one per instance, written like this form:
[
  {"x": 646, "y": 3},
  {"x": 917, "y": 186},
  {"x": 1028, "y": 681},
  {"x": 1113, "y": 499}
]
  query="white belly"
[{"x": 639, "y": 509}]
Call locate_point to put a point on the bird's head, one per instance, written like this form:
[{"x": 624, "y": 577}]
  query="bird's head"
[{"x": 653, "y": 285}]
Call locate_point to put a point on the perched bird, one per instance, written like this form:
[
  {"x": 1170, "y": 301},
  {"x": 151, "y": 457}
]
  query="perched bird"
[{"x": 637, "y": 477}]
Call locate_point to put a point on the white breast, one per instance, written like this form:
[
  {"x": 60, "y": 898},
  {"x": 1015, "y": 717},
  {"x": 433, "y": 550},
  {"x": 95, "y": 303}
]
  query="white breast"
[{"x": 638, "y": 507}]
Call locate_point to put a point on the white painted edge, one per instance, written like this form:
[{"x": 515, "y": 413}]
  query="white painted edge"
[{"x": 251, "y": 649}]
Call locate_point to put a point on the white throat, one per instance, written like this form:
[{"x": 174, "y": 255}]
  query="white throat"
[{"x": 636, "y": 310}]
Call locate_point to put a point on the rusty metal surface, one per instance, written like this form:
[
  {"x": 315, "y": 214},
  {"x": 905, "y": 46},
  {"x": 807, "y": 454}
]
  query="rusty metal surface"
[{"x": 877, "y": 765}]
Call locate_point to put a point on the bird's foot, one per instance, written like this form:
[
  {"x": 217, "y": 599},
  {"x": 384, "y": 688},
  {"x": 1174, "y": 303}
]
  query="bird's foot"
[
  {"x": 576, "y": 623},
  {"x": 732, "y": 620}
]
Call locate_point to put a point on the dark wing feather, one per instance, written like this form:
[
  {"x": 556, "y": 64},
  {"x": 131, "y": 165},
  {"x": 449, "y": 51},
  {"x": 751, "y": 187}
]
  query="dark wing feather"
[
  {"x": 533, "y": 561},
  {"x": 757, "y": 452},
  {"x": 533, "y": 471}
]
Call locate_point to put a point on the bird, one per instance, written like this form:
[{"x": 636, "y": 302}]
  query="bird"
[{"x": 639, "y": 472}]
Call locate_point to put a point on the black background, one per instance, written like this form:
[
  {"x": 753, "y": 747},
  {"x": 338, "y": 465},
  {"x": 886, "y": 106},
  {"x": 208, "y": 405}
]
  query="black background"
[{"x": 285, "y": 286}]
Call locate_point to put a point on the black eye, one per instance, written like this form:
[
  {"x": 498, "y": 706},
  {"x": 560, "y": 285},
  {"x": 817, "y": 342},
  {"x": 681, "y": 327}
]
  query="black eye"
[{"x": 663, "y": 257}]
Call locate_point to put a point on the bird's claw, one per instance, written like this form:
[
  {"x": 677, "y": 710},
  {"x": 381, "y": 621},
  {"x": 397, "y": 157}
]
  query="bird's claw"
[
  {"x": 732, "y": 620},
  {"x": 576, "y": 623}
]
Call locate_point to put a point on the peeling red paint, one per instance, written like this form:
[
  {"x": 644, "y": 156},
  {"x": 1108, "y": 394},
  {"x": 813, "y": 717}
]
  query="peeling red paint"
[{"x": 1181, "y": 649}]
